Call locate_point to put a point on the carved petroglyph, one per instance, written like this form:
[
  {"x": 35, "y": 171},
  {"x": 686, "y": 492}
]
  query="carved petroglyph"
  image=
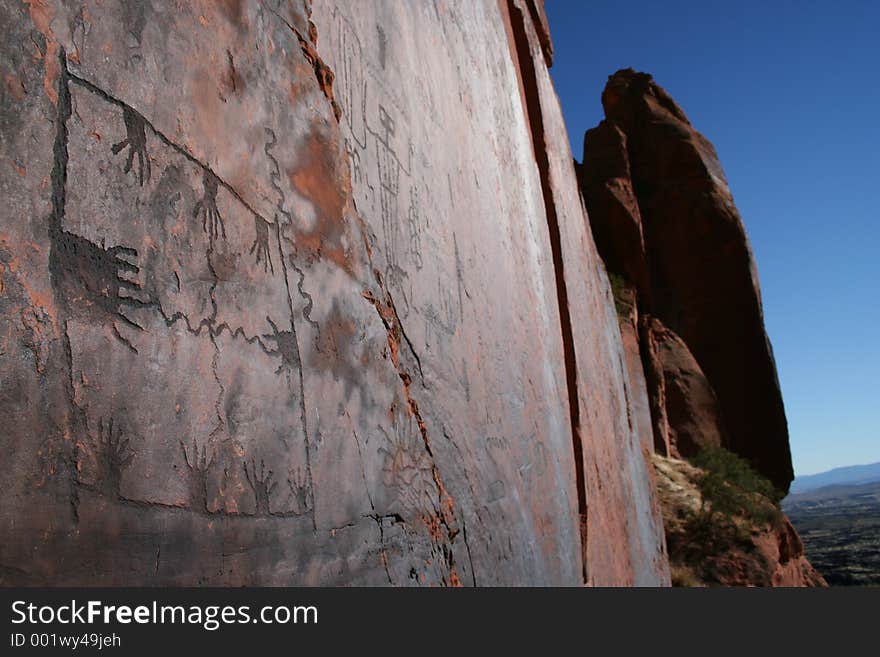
[
  {"x": 281, "y": 211},
  {"x": 404, "y": 256},
  {"x": 285, "y": 346},
  {"x": 354, "y": 160},
  {"x": 286, "y": 341},
  {"x": 206, "y": 208},
  {"x": 389, "y": 168},
  {"x": 262, "y": 483},
  {"x": 136, "y": 142},
  {"x": 260, "y": 247},
  {"x": 534, "y": 459},
  {"x": 350, "y": 83},
  {"x": 172, "y": 293},
  {"x": 414, "y": 223},
  {"x": 111, "y": 453},
  {"x": 376, "y": 129},
  {"x": 497, "y": 491},
  {"x": 300, "y": 491},
  {"x": 198, "y": 461},
  {"x": 407, "y": 470},
  {"x": 90, "y": 280},
  {"x": 444, "y": 317},
  {"x": 309, "y": 303},
  {"x": 275, "y": 177},
  {"x": 135, "y": 20}
]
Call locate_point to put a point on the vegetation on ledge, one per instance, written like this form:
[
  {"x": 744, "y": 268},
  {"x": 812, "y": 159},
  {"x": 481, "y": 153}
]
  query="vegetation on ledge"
[{"x": 724, "y": 526}]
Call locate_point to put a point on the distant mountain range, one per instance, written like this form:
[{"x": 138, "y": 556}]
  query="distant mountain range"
[{"x": 851, "y": 475}]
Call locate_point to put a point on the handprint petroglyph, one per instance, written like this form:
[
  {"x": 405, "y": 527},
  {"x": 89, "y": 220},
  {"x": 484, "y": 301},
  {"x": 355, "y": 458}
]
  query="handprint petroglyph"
[
  {"x": 261, "y": 482},
  {"x": 260, "y": 247},
  {"x": 94, "y": 281},
  {"x": 206, "y": 208},
  {"x": 136, "y": 142},
  {"x": 300, "y": 490},
  {"x": 112, "y": 455},
  {"x": 198, "y": 462}
]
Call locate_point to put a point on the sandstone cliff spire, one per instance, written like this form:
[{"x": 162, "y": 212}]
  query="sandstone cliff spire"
[{"x": 664, "y": 220}]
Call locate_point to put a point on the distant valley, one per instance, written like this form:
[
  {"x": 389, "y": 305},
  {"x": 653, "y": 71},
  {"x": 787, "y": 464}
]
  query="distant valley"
[{"x": 840, "y": 523}]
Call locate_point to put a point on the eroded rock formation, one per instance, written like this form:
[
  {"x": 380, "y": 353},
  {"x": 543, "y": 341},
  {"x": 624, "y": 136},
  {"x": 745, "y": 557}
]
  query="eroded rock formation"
[
  {"x": 304, "y": 293},
  {"x": 664, "y": 219},
  {"x": 686, "y": 414}
]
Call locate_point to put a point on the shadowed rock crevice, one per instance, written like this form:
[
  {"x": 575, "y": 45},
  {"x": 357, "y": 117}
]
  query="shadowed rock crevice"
[{"x": 532, "y": 101}]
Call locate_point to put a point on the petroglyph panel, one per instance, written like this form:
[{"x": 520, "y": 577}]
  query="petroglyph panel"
[
  {"x": 287, "y": 303},
  {"x": 458, "y": 235}
]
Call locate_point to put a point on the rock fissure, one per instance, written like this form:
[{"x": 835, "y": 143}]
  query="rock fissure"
[
  {"x": 524, "y": 63},
  {"x": 443, "y": 515}
]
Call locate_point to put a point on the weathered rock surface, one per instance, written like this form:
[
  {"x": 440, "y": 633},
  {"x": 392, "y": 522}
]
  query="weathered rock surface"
[
  {"x": 664, "y": 218},
  {"x": 686, "y": 413},
  {"x": 299, "y": 294},
  {"x": 608, "y": 191},
  {"x": 638, "y": 399}
]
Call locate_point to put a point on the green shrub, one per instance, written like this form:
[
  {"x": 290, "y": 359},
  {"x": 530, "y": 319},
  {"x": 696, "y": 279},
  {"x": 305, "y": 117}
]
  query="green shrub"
[
  {"x": 730, "y": 488},
  {"x": 721, "y": 465},
  {"x": 620, "y": 289}
]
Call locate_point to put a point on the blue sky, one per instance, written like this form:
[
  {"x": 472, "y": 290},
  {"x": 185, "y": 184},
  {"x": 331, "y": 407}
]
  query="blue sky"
[{"x": 789, "y": 93}]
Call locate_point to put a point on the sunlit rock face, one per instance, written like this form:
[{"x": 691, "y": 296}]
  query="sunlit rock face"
[{"x": 304, "y": 293}]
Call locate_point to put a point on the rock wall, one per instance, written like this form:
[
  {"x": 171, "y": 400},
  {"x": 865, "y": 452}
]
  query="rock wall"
[
  {"x": 665, "y": 221},
  {"x": 299, "y": 294}
]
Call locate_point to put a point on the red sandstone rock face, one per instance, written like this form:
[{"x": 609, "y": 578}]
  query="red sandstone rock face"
[
  {"x": 647, "y": 172},
  {"x": 304, "y": 295},
  {"x": 621, "y": 527},
  {"x": 687, "y": 415},
  {"x": 792, "y": 567},
  {"x": 775, "y": 558},
  {"x": 607, "y": 184}
]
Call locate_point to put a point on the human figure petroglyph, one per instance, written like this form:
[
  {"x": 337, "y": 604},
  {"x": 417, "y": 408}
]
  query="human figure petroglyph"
[{"x": 285, "y": 346}]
